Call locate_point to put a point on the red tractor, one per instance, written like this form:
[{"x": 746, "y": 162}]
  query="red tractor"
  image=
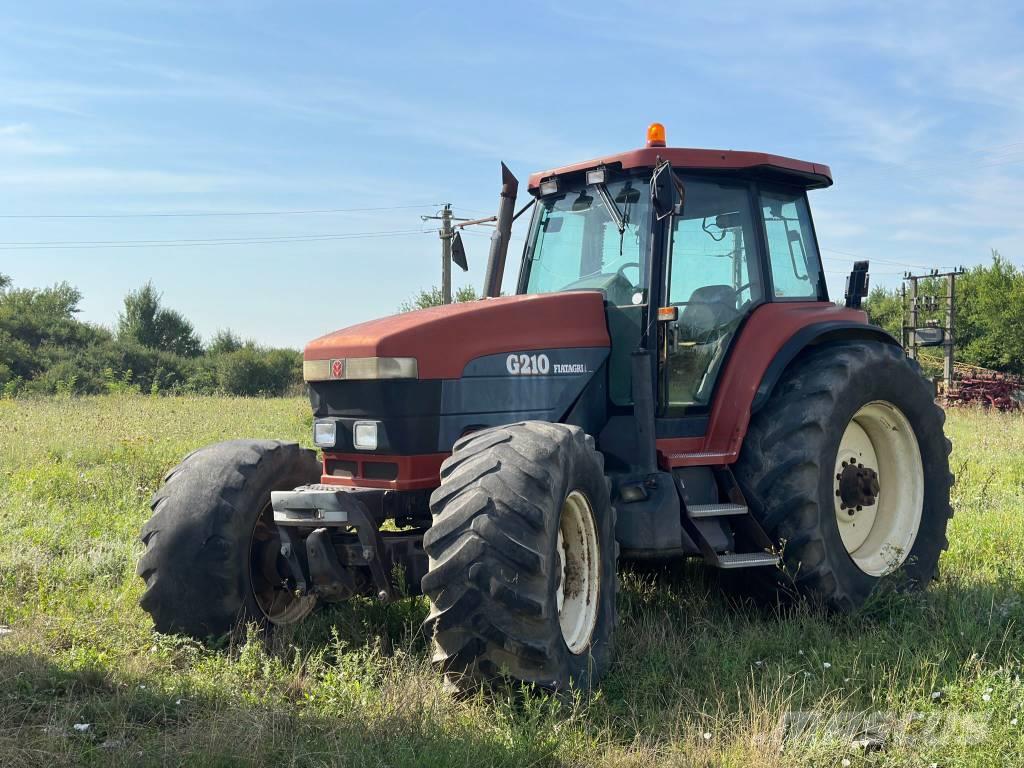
[{"x": 670, "y": 379}]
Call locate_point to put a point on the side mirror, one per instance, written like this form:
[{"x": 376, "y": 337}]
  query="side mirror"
[
  {"x": 459, "y": 252},
  {"x": 666, "y": 192},
  {"x": 857, "y": 284}
]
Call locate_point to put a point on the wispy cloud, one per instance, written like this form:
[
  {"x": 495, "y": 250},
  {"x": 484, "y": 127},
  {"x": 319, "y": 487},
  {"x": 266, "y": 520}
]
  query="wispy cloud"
[
  {"x": 99, "y": 180},
  {"x": 19, "y": 140}
]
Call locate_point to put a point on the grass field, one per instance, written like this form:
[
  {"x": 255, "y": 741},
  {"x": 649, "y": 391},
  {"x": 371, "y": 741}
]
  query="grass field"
[{"x": 697, "y": 680}]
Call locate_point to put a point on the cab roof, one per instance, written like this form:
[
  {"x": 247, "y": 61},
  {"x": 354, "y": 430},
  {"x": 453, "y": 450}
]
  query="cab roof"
[{"x": 771, "y": 167}]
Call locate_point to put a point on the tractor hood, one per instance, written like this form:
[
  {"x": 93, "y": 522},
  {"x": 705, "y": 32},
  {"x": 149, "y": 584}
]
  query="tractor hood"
[{"x": 445, "y": 339}]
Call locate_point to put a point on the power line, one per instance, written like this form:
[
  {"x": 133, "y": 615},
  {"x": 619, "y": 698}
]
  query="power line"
[
  {"x": 208, "y": 213},
  {"x": 80, "y": 244},
  {"x": 871, "y": 258}
]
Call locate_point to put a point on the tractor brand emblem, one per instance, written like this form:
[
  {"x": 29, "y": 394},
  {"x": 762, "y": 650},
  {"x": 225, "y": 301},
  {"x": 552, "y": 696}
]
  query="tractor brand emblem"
[
  {"x": 337, "y": 369},
  {"x": 571, "y": 368}
]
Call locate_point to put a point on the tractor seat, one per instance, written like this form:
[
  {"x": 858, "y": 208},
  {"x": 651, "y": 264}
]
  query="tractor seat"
[{"x": 709, "y": 308}]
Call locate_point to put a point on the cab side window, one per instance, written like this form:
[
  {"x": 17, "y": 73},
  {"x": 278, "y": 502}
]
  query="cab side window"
[
  {"x": 713, "y": 278},
  {"x": 796, "y": 268}
]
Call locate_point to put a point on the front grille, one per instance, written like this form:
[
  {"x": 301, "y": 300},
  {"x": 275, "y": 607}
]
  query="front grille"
[{"x": 367, "y": 469}]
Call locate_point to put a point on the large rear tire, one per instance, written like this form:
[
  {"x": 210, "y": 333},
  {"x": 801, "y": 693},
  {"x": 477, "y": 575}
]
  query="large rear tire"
[
  {"x": 212, "y": 555},
  {"x": 523, "y": 558},
  {"x": 847, "y": 467}
]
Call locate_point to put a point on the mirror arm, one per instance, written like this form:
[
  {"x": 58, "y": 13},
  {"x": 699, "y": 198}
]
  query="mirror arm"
[{"x": 525, "y": 208}]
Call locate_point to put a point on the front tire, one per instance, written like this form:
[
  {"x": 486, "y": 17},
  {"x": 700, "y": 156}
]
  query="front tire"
[
  {"x": 212, "y": 555},
  {"x": 847, "y": 467},
  {"x": 523, "y": 558}
]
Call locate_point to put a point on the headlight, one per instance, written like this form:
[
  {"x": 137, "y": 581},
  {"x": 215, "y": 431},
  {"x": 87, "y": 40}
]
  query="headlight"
[
  {"x": 325, "y": 433},
  {"x": 364, "y": 435},
  {"x": 343, "y": 368}
]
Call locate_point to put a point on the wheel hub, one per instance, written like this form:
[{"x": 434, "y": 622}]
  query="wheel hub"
[
  {"x": 278, "y": 603},
  {"x": 857, "y": 486}
]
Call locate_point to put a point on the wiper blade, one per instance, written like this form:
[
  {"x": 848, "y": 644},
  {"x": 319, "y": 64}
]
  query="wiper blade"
[{"x": 613, "y": 208}]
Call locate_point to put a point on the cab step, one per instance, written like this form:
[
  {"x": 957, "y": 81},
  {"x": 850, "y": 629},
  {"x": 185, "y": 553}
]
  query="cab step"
[
  {"x": 747, "y": 532},
  {"x": 715, "y": 510},
  {"x": 747, "y": 560}
]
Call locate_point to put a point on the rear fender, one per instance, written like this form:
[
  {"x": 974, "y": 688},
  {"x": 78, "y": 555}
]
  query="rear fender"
[{"x": 812, "y": 336}]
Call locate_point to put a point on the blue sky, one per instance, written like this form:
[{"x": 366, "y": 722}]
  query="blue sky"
[{"x": 162, "y": 107}]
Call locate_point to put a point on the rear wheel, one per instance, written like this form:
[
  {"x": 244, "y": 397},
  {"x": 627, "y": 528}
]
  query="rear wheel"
[
  {"x": 523, "y": 558},
  {"x": 847, "y": 467},
  {"x": 212, "y": 554}
]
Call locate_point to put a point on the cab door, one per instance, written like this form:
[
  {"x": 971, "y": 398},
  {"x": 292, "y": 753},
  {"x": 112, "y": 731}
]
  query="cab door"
[{"x": 713, "y": 278}]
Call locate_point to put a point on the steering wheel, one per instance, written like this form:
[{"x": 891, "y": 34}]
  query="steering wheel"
[{"x": 620, "y": 272}]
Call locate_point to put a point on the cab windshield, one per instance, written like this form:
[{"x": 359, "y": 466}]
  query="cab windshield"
[{"x": 577, "y": 241}]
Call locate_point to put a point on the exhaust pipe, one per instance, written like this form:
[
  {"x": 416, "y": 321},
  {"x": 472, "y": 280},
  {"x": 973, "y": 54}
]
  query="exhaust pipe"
[{"x": 502, "y": 233}]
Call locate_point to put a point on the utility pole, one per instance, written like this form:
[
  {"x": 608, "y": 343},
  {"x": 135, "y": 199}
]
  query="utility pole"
[
  {"x": 446, "y": 254},
  {"x": 446, "y": 233},
  {"x": 449, "y": 234},
  {"x": 903, "y": 312},
  {"x": 911, "y": 337},
  {"x": 912, "y": 353},
  {"x": 947, "y": 363}
]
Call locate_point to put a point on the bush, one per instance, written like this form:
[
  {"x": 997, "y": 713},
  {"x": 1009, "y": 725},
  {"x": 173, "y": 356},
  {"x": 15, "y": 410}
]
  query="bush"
[{"x": 254, "y": 371}]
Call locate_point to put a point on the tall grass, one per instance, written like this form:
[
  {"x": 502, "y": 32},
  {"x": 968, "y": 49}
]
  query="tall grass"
[{"x": 930, "y": 678}]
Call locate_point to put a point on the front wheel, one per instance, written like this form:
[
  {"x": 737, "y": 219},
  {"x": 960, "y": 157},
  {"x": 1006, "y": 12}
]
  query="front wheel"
[
  {"x": 847, "y": 467},
  {"x": 212, "y": 555},
  {"x": 522, "y": 557}
]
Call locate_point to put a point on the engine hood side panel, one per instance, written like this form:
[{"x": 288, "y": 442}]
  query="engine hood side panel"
[{"x": 495, "y": 389}]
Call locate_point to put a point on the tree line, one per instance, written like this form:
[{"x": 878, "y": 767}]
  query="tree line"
[
  {"x": 46, "y": 349},
  {"x": 989, "y": 321}
]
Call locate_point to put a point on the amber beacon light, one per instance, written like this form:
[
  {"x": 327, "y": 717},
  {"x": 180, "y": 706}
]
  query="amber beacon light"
[{"x": 656, "y": 135}]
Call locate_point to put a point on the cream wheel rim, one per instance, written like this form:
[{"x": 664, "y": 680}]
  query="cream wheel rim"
[
  {"x": 878, "y": 488},
  {"x": 579, "y": 580}
]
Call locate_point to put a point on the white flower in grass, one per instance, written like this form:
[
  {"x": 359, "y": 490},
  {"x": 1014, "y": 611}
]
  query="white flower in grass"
[
  {"x": 827, "y": 665},
  {"x": 1013, "y": 721},
  {"x": 707, "y": 736},
  {"x": 801, "y": 651},
  {"x": 82, "y": 727},
  {"x": 846, "y": 762},
  {"x": 936, "y": 695},
  {"x": 986, "y": 697}
]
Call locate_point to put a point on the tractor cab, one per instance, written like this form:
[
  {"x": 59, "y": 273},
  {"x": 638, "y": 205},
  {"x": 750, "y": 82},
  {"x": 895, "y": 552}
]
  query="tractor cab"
[{"x": 734, "y": 232}]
